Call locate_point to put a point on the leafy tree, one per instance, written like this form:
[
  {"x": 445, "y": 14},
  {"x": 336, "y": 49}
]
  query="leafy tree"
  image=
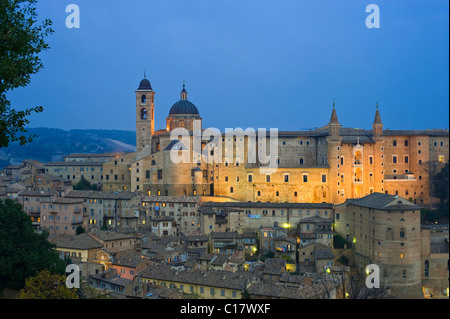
[
  {"x": 339, "y": 242},
  {"x": 46, "y": 285},
  {"x": 105, "y": 223},
  {"x": 431, "y": 169},
  {"x": 21, "y": 41},
  {"x": 23, "y": 252},
  {"x": 80, "y": 230},
  {"x": 268, "y": 254},
  {"x": 287, "y": 258},
  {"x": 87, "y": 291},
  {"x": 441, "y": 184},
  {"x": 84, "y": 184},
  {"x": 245, "y": 294},
  {"x": 343, "y": 260}
]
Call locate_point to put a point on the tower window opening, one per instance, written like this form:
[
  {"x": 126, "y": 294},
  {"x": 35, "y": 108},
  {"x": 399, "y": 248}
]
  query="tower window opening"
[{"x": 143, "y": 114}]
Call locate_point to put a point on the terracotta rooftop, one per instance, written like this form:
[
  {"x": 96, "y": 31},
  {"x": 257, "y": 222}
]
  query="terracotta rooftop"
[
  {"x": 82, "y": 241},
  {"x": 383, "y": 202},
  {"x": 210, "y": 278}
]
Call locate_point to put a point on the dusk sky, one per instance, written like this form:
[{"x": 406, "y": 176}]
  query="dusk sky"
[{"x": 268, "y": 64}]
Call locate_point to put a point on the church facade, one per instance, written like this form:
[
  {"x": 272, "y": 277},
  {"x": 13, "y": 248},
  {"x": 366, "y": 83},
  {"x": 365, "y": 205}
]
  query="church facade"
[{"x": 329, "y": 164}]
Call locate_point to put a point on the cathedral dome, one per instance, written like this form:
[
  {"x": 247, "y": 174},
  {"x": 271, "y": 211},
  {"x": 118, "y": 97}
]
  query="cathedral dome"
[{"x": 183, "y": 106}]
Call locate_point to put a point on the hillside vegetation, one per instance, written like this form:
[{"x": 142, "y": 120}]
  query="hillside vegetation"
[{"x": 50, "y": 144}]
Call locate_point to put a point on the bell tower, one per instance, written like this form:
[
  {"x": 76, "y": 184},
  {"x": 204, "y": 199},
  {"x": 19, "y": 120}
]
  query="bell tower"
[{"x": 145, "y": 117}]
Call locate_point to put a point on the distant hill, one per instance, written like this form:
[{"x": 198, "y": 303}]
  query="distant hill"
[{"x": 51, "y": 144}]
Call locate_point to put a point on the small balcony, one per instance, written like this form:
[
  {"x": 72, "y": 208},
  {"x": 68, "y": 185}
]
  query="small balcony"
[
  {"x": 357, "y": 163},
  {"x": 357, "y": 159}
]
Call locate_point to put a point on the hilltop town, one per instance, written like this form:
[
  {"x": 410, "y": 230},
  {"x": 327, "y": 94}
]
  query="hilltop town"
[{"x": 219, "y": 225}]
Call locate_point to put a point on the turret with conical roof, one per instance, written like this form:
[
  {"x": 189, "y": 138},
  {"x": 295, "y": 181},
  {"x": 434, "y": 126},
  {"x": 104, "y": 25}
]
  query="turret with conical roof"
[
  {"x": 334, "y": 118},
  {"x": 333, "y": 144},
  {"x": 334, "y": 125},
  {"x": 377, "y": 125}
]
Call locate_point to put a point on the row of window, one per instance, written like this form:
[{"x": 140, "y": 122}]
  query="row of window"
[
  {"x": 406, "y": 143},
  {"x": 166, "y": 192},
  {"x": 157, "y": 204},
  {"x": 277, "y": 193},
  {"x": 57, "y": 228},
  {"x": 58, "y": 218},
  {"x": 286, "y": 178},
  {"x": 82, "y": 169}
]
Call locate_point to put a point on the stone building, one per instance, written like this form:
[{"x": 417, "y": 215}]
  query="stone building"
[
  {"x": 32, "y": 203},
  {"x": 385, "y": 230},
  {"x": 63, "y": 215},
  {"x": 73, "y": 171},
  {"x": 203, "y": 284},
  {"x": 328, "y": 164},
  {"x": 333, "y": 163},
  {"x": 117, "y": 173},
  {"x": 116, "y": 242},
  {"x": 23, "y": 171},
  {"x": 90, "y": 157},
  {"x": 240, "y": 216},
  {"x": 114, "y": 209},
  {"x": 47, "y": 182},
  {"x": 182, "y": 209},
  {"x": 435, "y": 263}
]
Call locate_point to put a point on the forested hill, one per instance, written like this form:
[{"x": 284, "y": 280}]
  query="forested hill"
[{"x": 51, "y": 144}]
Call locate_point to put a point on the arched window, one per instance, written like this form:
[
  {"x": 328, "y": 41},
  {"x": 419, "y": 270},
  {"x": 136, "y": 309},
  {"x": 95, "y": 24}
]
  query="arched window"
[
  {"x": 358, "y": 158},
  {"x": 427, "y": 268},
  {"x": 143, "y": 114},
  {"x": 143, "y": 99},
  {"x": 358, "y": 175},
  {"x": 389, "y": 234},
  {"x": 181, "y": 124}
]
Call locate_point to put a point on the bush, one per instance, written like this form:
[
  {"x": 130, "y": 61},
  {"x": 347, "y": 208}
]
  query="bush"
[
  {"x": 343, "y": 260},
  {"x": 339, "y": 241},
  {"x": 80, "y": 230},
  {"x": 269, "y": 254},
  {"x": 440, "y": 215}
]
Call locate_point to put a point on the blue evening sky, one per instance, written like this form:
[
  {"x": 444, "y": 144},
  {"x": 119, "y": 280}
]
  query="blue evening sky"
[{"x": 266, "y": 63}]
